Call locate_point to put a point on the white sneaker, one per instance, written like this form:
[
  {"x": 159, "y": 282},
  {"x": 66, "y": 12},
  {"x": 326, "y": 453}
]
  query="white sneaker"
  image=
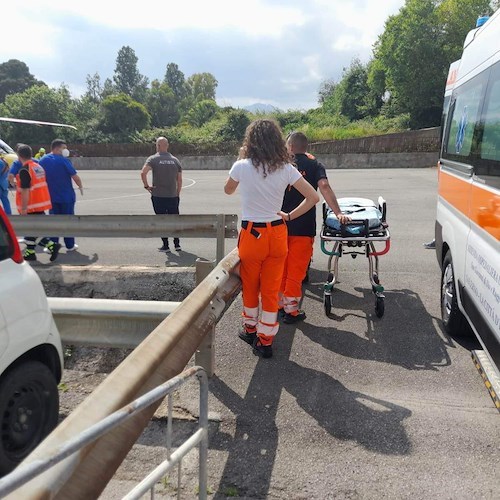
[{"x": 73, "y": 248}]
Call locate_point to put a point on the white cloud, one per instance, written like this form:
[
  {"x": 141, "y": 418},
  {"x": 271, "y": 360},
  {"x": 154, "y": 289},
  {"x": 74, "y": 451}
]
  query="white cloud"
[
  {"x": 255, "y": 17},
  {"x": 24, "y": 36},
  {"x": 276, "y": 50}
]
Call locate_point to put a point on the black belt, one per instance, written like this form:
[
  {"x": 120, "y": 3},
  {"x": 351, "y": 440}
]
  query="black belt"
[
  {"x": 274, "y": 223},
  {"x": 261, "y": 225}
]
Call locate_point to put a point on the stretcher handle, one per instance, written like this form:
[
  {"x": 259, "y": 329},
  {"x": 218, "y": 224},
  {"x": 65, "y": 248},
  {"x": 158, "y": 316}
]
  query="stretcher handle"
[
  {"x": 382, "y": 206},
  {"x": 382, "y": 252}
]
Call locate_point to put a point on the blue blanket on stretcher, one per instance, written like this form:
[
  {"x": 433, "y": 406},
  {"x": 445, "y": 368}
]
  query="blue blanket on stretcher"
[{"x": 358, "y": 209}]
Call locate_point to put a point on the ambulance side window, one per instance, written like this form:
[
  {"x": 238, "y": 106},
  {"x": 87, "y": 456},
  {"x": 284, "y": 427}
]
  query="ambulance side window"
[
  {"x": 488, "y": 164},
  {"x": 464, "y": 116}
]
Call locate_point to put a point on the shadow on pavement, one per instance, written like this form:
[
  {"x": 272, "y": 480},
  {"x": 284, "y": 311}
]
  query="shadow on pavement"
[
  {"x": 76, "y": 258},
  {"x": 375, "y": 424},
  {"x": 407, "y": 335},
  {"x": 181, "y": 259},
  {"x": 71, "y": 258}
]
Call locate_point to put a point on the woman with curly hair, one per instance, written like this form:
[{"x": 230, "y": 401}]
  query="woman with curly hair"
[{"x": 263, "y": 173}]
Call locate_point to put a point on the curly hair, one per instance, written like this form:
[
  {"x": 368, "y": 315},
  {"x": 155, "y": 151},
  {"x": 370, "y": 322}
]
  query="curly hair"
[{"x": 265, "y": 146}]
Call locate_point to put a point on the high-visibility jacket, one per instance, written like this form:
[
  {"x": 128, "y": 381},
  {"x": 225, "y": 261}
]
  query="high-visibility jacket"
[{"x": 39, "y": 199}]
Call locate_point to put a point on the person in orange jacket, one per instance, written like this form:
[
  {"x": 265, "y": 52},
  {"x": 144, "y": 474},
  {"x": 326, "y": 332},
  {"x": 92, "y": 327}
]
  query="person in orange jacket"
[
  {"x": 33, "y": 198},
  {"x": 263, "y": 172},
  {"x": 301, "y": 232}
]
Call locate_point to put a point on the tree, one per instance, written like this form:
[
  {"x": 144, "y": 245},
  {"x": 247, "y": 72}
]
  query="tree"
[
  {"x": 108, "y": 88},
  {"x": 161, "y": 103},
  {"x": 15, "y": 77},
  {"x": 127, "y": 78},
  {"x": 350, "y": 97},
  {"x": 457, "y": 18},
  {"x": 94, "y": 88},
  {"x": 175, "y": 79},
  {"x": 121, "y": 114},
  {"x": 326, "y": 90},
  {"x": 410, "y": 54},
  {"x": 236, "y": 124},
  {"x": 202, "y": 86},
  {"x": 202, "y": 112},
  {"x": 37, "y": 103}
]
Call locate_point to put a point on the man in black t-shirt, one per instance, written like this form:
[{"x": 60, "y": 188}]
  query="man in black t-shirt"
[{"x": 301, "y": 231}]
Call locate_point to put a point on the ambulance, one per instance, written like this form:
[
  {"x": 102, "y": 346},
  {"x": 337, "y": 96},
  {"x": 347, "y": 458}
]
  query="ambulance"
[{"x": 468, "y": 211}]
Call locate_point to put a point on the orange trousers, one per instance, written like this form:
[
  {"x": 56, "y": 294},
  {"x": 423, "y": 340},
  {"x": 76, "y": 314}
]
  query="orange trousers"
[
  {"x": 300, "y": 250},
  {"x": 262, "y": 253}
]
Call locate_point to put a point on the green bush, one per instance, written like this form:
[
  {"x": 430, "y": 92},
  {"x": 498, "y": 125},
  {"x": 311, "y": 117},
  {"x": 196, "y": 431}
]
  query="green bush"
[
  {"x": 236, "y": 124},
  {"x": 121, "y": 114}
]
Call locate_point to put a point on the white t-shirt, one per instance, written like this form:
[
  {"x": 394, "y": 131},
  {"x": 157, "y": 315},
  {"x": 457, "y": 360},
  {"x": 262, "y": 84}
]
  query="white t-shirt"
[{"x": 262, "y": 197}]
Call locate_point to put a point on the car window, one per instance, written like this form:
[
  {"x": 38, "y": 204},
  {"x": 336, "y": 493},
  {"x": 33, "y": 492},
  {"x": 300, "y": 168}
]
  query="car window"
[
  {"x": 465, "y": 115},
  {"x": 487, "y": 166},
  {"x": 490, "y": 147},
  {"x": 6, "y": 243}
]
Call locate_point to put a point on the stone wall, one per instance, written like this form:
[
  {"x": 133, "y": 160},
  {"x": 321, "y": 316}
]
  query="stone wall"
[{"x": 342, "y": 160}]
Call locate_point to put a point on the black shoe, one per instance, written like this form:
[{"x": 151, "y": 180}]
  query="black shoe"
[
  {"x": 164, "y": 249},
  {"x": 178, "y": 248},
  {"x": 249, "y": 338},
  {"x": 29, "y": 255},
  {"x": 265, "y": 351},
  {"x": 54, "y": 251},
  {"x": 431, "y": 245},
  {"x": 290, "y": 319}
]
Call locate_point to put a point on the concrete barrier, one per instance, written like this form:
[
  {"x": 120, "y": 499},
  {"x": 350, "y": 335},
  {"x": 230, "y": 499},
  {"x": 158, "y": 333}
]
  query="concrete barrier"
[{"x": 332, "y": 161}]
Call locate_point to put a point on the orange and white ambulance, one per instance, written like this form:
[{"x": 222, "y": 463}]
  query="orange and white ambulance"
[{"x": 468, "y": 212}]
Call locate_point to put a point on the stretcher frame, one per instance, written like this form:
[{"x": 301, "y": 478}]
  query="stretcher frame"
[{"x": 363, "y": 244}]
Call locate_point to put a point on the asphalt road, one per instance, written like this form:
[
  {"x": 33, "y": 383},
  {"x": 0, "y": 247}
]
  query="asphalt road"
[{"x": 351, "y": 406}]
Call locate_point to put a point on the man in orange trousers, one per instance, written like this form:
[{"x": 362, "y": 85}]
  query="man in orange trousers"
[{"x": 301, "y": 231}]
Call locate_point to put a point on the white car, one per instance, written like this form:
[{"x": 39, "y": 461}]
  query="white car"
[{"x": 31, "y": 357}]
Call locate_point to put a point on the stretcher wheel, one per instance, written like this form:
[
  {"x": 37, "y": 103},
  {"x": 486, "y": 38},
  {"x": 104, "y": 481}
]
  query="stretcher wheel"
[
  {"x": 327, "y": 303},
  {"x": 379, "y": 307}
]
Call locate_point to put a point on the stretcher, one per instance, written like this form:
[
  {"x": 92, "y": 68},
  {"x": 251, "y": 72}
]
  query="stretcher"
[{"x": 367, "y": 229}]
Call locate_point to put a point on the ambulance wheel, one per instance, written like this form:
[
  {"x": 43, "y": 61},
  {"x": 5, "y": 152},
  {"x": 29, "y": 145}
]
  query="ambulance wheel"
[
  {"x": 327, "y": 303},
  {"x": 379, "y": 307},
  {"x": 454, "y": 321}
]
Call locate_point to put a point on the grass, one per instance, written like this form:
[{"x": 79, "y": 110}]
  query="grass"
[
  {"x": 230, "y": 491},
  {"x": 63, "y": 387}
]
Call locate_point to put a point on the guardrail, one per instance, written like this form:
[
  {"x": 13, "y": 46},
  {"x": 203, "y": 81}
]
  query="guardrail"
[
  {"x": 27, "y": 472},
  {"x": 107, "y": 323},
  {"x": 220, "y": 226},
  {"x": 161, "y": 356}
]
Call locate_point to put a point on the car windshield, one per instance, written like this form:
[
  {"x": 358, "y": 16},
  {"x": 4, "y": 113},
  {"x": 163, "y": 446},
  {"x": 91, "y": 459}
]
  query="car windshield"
[{"x": 5, "y": 148}]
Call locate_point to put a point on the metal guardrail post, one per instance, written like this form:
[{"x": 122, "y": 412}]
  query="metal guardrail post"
[
  {"x": 205, "y": 354},
  {"x": 203, "y": 423},
  {"x": 221, "y": 237}
]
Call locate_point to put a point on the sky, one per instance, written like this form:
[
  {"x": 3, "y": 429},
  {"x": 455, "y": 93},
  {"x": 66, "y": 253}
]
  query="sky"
[{"x": 261, "y": 51}]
